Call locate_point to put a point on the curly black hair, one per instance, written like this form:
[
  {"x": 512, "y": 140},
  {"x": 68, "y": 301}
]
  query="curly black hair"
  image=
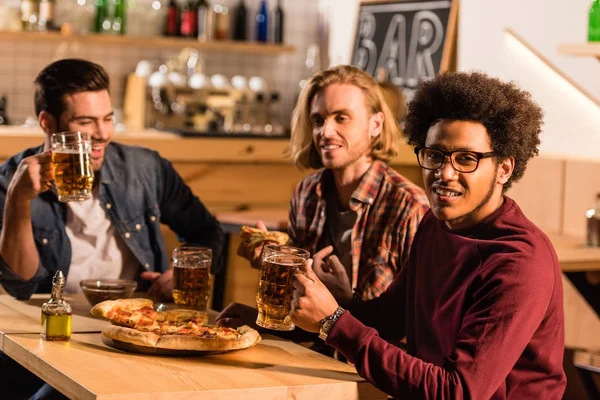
[{"x": 512, "y": 119}]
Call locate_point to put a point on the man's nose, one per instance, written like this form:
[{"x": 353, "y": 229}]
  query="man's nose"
[
  {"x": 102, "y": 132},
  {"x": 328, "y": 129},
  {"x": 446, "y": 171}
]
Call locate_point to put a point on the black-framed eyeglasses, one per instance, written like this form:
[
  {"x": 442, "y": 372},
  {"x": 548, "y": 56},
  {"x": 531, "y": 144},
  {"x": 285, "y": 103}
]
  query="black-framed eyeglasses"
[{"x": 461, "y": 160}]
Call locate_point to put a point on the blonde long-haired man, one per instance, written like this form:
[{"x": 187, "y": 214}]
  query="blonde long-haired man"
[{"x": 356, "y": 215}]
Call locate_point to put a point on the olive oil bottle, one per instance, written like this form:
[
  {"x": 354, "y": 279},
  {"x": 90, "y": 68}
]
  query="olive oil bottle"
[{"x": 56, "y": 314}]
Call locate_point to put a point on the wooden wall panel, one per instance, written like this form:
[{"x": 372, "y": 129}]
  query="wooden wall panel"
[
  {"x": 539, "y": 193},
  {"x": 582, "y": 185},
  {"x": 582, "y": 324}
]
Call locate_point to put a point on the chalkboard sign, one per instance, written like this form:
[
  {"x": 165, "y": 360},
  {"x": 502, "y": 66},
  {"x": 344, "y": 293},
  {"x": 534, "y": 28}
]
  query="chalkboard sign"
[{"x": 409, "y": 40}]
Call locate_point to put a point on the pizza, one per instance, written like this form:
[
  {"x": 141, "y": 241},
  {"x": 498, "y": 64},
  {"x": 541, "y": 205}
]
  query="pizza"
[
  {"x": 253, "y": 236},
  {"x": 135, "y": 322}
]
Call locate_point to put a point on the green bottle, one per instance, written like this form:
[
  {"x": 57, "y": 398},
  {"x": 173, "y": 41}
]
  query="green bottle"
[
  {"x": 102, "y": 15},
  {"x": 119, "y": 17},
  {"x": 594, "y": 22}
]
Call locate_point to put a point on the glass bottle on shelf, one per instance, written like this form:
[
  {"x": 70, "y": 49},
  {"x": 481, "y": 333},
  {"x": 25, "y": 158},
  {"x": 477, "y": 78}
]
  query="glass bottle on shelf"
[
  {"x": 102, "y": 23},
  {"x": 3, "y": 118},
  {"x": 172, "y": 19},
  {"x": 205, "y": 22},
  {"x": 189, "y": 19},
  {"x": 222, "y": 18},
  {"x": 29, "y": 15},
  {"x": 241, "y": 15},
  {"x": 56, "y": 313},
  {"x": 118, "y": 23},
  {"x": 593, "y": 224},
  {"x": 262, "y": 22},
  {"x": 278, "y": 23},
  {"x": 594, "y": 22},
  {"x": 46, "y": 15}
]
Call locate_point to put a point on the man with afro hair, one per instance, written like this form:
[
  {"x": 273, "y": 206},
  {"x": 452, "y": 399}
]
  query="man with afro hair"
[{"x": 480, "y": 301}]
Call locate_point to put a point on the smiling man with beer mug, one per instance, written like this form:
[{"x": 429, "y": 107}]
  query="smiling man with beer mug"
[{"x": 89, "y": 207}]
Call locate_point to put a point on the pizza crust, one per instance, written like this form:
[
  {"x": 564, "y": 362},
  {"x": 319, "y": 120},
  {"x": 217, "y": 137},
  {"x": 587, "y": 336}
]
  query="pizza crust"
[
  {"x": 103, "y": 309},
  {"x": 249, "y": 338},
  {"x": 133, "y": 336}
]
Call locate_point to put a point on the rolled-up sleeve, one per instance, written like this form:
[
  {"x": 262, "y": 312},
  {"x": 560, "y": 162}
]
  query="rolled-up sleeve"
[{"x": 15, "y": 285}]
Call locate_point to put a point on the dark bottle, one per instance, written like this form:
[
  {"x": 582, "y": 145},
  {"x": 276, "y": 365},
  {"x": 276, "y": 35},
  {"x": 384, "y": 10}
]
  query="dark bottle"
[
  {"x": 56, "y": 314},
  {"x": 593, "y": 224},
  {"x": 172, "y": 21},
  {"x": 278, "y": 23},
  {"x": 3, "y": 117},
  {"x": 101, "y": 15},
  {"x": 241, "y": 15},
  {"x": 189, "y": 19},
  {"x": 262, "y": 22}
]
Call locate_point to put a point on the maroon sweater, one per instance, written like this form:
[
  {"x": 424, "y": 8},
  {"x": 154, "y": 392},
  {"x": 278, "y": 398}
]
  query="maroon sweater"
[{"x": 482, "y": 311}]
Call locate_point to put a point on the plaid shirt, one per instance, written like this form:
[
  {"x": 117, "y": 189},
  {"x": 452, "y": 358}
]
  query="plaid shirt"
[{"x": 389, "y": 208}]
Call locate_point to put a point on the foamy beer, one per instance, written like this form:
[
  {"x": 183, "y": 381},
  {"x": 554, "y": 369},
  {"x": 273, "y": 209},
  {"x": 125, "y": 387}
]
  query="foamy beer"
[
  {"x": 192, "y": 280},
  {"x": 275, "y": 289},
  {"x": 72, "y": 166}
]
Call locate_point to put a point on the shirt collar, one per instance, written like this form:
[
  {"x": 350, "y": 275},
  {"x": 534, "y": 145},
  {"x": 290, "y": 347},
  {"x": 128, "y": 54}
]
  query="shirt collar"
[{"x": 367, "y": 189}]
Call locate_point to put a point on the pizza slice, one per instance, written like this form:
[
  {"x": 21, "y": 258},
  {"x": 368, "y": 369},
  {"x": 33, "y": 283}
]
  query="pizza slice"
[{"x": 253, "y": 236}]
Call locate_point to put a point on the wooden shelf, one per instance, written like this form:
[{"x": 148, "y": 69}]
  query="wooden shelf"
[
  {"x": 580, "y": 49},
  {"x": 154, "y": 42}
]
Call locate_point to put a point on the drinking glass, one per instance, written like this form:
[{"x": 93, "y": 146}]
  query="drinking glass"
[
  {"x": 274, "y": 298},
  {"x": 192, "y": 280},
  {"x": 72, "y": 166}
]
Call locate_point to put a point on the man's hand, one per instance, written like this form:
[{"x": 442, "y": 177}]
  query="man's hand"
[
  {"x": 162, "y": 284},
  {"x": 252, "y": 253},
  {"x": 32, "y": 177},
  {"x": 312, "y": 301},
  {"x": 236, "y": 315},
  {"x": 332, "y": 273}
]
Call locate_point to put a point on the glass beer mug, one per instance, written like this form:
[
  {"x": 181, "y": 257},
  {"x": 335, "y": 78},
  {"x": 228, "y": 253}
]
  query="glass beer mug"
[
  {"x": 72, "y": 166},
  {"x": 275, "y": 289},
  {"x": 192, "y": 280}
]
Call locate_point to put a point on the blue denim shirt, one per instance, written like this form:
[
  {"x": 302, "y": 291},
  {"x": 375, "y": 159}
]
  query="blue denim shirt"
[{"x": 138, "y": 190}]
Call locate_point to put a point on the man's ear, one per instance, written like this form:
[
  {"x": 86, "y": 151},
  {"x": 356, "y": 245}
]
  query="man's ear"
[
  {"x": 505, "y": 170},
  {"x": 47, "y": 122},
  {"x": 376, "y": 124}
]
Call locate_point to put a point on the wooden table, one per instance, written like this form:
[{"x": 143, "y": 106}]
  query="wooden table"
[
  {"x": 17, "y": 316},
  {"x": 85, "y": 367}
]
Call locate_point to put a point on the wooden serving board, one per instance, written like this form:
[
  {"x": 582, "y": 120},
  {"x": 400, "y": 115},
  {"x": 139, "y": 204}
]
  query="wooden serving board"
[{"x": 155, "y": 351}]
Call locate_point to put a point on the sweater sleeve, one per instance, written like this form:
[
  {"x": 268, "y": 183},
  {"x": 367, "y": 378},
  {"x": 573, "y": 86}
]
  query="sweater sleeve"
[{"x": 510, "y": 300}]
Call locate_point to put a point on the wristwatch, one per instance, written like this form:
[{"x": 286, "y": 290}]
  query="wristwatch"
[{"x": 327, "y": 323}]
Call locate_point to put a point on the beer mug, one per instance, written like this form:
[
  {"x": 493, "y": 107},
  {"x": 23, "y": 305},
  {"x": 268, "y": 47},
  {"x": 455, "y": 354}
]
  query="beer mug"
[
  {"x": 72, "y": 166},
  {"x": 275, "y": 289},
  {"x": 192, "y": 280}
]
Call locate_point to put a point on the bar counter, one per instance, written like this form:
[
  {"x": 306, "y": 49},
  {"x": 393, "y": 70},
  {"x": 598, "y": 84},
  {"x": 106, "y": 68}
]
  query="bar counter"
[{"x": 216, "y": 168}]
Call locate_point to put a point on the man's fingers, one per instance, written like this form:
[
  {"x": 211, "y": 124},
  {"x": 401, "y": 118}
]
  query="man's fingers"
[
  {"x": 260, "y": 225},
  {"x": 324, "y": 252},
  {"x": 310, "y": 274},
  {"x": 335, "y": 265},
  {"x": 149, "y": 275}
]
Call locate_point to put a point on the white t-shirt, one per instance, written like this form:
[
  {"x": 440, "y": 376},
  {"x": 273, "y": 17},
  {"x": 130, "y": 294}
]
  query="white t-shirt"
[{"x": 97, "y": 249}]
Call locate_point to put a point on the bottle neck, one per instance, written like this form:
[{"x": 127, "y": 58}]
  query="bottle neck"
[{"x": 58, "y": 293}]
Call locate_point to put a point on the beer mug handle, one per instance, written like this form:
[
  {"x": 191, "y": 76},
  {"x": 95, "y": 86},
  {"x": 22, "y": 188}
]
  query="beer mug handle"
[{"x": 50, "y": 182}]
